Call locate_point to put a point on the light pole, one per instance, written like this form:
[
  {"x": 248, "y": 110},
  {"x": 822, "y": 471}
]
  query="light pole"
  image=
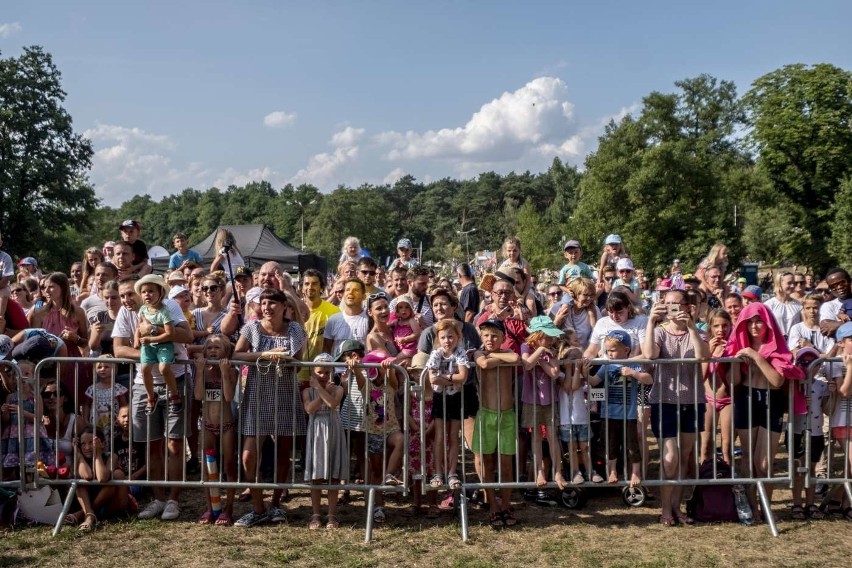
[{"x": 467, "y": 241}]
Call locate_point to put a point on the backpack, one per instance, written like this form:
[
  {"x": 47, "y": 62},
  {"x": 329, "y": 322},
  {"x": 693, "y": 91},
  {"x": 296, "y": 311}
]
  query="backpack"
[{"x": 713, "y": 503}]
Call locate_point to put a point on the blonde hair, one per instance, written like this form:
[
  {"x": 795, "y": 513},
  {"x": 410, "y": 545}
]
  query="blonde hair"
[
  {"x": 777, "y": 287},
  {"x": 229, "y": 347},
  {"x": 713, "y": 258},
  {"x": 581, "y": 284},
  {"x": 511, "y": 241},
  {"x": 222, "y": 235},
  {"x": 446, "y": 324},
  {"x": 350, "y": 241}
]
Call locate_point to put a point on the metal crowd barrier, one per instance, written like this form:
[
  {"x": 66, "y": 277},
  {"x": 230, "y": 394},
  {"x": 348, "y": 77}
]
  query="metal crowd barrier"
[
  {"x": 834, "y": 468},
  {"x": 13, "y": 477},
  {"x": 51, "y": 370},
  {"x": 690, "y": 370}
]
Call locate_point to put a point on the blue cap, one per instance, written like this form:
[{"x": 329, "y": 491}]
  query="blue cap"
[
  {"x": 621, "y": 336},
  {"x": 844, "y": 331},
  {"x": 404, "y": 244},
  {"x": 753, "y": 293},
  {"x": 612, "y": 239}
]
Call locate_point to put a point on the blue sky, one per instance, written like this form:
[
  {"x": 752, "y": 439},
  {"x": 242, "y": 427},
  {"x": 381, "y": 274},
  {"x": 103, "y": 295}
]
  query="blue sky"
[{"x": 194, "y": 94}]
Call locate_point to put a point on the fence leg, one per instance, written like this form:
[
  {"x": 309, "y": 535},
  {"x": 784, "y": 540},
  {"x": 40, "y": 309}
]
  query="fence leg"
[
  {"x": 371, "y": 501},
  {"x": 465, "y": 532},
  {"x": 848, "y": 487},
  {"x": 72, "y": 492},
  {"x": 767, "y": 510}
]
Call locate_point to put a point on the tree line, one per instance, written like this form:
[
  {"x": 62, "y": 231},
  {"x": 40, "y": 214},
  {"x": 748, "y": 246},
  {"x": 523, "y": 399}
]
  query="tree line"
[{"x": 767, "y": 173}]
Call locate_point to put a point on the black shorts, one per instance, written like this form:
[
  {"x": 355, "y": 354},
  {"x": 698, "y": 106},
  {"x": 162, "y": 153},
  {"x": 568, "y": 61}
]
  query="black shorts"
[
  {"x": 817, "y": 446},
  {"x": 765, "y": 404},
  {"x": 667, "y": 418},
  {"x": 471, "y": 400},
  {"x": 447, "y": 407}
]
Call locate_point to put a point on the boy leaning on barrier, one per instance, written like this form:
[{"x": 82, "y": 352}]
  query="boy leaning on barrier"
[{"x": 495, "y": 422}]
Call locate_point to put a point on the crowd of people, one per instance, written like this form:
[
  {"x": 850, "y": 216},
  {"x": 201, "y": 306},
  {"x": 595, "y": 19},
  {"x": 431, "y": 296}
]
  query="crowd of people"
[{"x": 506, "y": 361}]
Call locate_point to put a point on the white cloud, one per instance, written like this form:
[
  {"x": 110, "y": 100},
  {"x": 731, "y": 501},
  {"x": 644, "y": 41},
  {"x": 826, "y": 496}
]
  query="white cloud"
[
  {"x": 325, "y": 169},
  {"x": 394, "y": 176},
  {"x": 7, "y": 30},
  {"x": 505, "y": 129},
  {"x": 279, "y": 119}
]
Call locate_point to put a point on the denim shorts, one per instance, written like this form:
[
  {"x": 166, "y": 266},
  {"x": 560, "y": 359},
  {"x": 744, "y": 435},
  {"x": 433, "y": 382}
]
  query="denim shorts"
[{"x": 576, "y": 432}]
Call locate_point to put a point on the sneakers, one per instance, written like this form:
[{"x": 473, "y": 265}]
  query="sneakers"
[
  {"x": 153, "y": 509},
  {"x": 175, "y": 404},
  {"x": 171, "y": 511},
  {"x": 276, "y": 515},
  {"x": 251, "y": 519}
]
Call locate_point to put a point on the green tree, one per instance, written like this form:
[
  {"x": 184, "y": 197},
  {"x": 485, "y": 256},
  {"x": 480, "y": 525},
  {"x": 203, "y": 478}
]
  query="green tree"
[
  {"x": 43, "y": 162},
  {"x": 800, "y": 120},
  {"x": 840, "y": 245}
]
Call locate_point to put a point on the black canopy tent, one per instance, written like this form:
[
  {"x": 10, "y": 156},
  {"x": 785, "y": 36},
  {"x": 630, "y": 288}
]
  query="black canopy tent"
[{"x": 257, "y": 244}]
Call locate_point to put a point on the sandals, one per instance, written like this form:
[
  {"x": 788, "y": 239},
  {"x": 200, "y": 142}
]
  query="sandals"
[
  {"x": 315, "y": 523},
  {"x": 683, "y": 518},
  {"x": 224, "y": 520},
  {"x": 71, "y": 520},
  {"x": 454, "y": 482},
  {"x": 813, "y": 512},
  {"x": 437, "y": 480},
  {"x": 391, "y": 479},
  {"x": 89, "y": 524},
  {"x": 333, "y": 522},
  {"x": 797, "y": 513},
  {"x": 151, "y": 404},
  {"x": 206, "y": 518},
  {"x": 667, "y": 521},
  {"x": 509, "y": 519},
  {"x": 496, "y": 521}
]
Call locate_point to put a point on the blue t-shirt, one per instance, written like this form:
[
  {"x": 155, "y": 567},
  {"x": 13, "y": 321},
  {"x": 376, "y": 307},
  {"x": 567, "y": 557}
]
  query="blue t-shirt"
[
  {"x": 177, "y": 258},
  {"x": 622, "y": 393},
  {"x": 571, "y": 271}
]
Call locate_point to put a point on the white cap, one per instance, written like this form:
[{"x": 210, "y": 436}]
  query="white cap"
[
  {"x": 176, "y": 291},
  {"x": 624, "y": 264},
  {"x": 253, "y": 295}
]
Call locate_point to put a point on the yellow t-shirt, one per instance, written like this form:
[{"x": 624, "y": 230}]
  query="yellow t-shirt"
[{"x": 314, "y": 329}]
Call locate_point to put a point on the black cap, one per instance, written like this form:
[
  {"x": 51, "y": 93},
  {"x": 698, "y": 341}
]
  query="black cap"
[
  {"x": 242, "y": 271},
  {"x": 495, "y": 323}
]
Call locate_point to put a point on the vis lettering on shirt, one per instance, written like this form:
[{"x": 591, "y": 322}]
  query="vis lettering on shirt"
[{"x": 213, "y": 395}]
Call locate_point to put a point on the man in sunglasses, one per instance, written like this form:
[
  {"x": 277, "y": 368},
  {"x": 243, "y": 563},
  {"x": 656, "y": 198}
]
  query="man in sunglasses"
[
  {"x": 837, "y": 281},
  {"x": 604, "y": 285},
  {"x": 367, "y": 274}
]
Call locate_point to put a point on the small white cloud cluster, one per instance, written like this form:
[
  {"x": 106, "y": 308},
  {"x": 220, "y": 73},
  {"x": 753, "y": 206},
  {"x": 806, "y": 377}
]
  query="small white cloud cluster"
[
  {"x": 7, "y": 30},
  {"x": 279, "y": 119}
]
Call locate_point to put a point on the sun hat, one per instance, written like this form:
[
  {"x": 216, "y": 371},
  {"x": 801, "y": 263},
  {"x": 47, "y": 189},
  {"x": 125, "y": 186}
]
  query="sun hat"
[
  {"x": 253, "y": 295},
  {"x": 151, "y": 279},
  {"x": 545, "y": 325}
]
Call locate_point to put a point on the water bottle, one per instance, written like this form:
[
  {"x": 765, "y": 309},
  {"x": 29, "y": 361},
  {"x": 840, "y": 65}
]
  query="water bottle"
[{"x": 743, "y": 507}]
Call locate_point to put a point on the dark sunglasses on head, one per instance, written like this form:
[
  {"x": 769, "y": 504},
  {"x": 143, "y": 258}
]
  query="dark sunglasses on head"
[
  {"x": 376, "y": 296},
  {"x": 213, "y": 288}
]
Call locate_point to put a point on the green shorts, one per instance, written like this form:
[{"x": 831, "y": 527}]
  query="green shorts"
[{"x": 491, "y": 427}]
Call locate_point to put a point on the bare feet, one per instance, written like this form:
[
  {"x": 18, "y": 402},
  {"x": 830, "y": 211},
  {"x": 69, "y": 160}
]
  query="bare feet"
[
  {"x": 613, "y": 477},
  {"x": 560, "y": 480},
  {"x": 540, "y": 479},
  {"x": 635, "y": 480}
]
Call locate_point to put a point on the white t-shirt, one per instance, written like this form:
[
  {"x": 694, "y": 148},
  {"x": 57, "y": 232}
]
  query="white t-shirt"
[
  {"x": 799, "y": 331},
  {"x": 125, "y": 327},
  {"x": 341, "y": 327},
  {"x": 580, "y": 323},
  {"x": 819, "y": 394},
  {"x": 830, "y": 310},
  {"x": 787, "y": 314},
  {"x": 7, "y": 267},
  {"x": 635, "y": 328},
  {"x": 572, "y": 407}
]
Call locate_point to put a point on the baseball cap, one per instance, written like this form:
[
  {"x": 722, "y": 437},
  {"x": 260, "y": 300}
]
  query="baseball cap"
[
  {"x": 242, "y": 271},
  {"x": 6, "y": 346},
  {"x": 612, "y": 239},
  {"x": 130, "y": 224},
  {"x": 691, "y": 279},
  {"x": 805, "y": 352},
  {"x": 494, "y": 323},
  {"x": 176, "y": 291},
  {"x": 844, "y": 331},
  {"x": 621, "y": 336},
  {"x": 571, "y": 244},
  {"x": 323, "y": 358},
  {"x": 742, "y": 279},
  {"x": 253, "y": 295},
  {"x": 624, "y": 264},
  {"x": 403, "y": 244},
  {"x": 27, "y": 260},
  {"x": 753, "y": 293},
  {"x": 349, "y": 346},
  {"x": 545, "y": 325}
]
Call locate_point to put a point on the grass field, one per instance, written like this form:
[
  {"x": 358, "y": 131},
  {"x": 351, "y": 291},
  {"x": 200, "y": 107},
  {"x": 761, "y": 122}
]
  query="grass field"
[{"x": 603, "y": 533}]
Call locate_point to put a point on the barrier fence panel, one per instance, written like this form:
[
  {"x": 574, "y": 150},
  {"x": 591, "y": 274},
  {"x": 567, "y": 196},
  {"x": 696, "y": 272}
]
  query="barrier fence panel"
[
  {"x": 826, "y": 454},
  {"x": 239, "y": 407},
  {"x": 16, "y": 455},
  {"x": 588, "y": 428}
]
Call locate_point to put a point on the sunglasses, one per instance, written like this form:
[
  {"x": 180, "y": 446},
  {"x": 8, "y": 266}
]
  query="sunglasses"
[
  {"x": 837, "y": 285},
  {"x": 17, "y": 290},
  {"x": 554, "y": 294},
  {"x": 377, "y": 296},
  {"x": 799, "y": 282},
  {"x": 214, "y": 288},
  {"x": 610, "y": 278},
  {"x": 822, "y": 290},
  {"x": 48, "y": 394},
  {"x": 368, "y": 272}
]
